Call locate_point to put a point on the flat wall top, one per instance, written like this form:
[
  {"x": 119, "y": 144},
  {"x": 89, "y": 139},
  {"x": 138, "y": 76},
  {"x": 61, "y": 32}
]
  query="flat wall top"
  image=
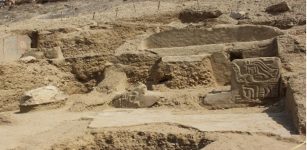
[{"x": 216, "y": 35}]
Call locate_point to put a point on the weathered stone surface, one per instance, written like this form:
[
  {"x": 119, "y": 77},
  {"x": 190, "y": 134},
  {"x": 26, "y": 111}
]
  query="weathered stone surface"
[
  {"x": 218, "y": 100},
  {"x": 278, "y": 8},
  {"x": 28, "y": 59},
  {"x": 191, "y": 15},
  {"x": 13, "y": 46},
  {"x": 41, "y": 96},
  {"x": 138, "y": 97},
  {"x": 239, "y": 15},
  {"x": 221, "y": 68},
  {"x": 255, "y": 80}
]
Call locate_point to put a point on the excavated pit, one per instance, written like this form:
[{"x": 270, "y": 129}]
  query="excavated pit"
[
  {"x": 189, "y": 57},
  {"x": 203, "y": 70}
]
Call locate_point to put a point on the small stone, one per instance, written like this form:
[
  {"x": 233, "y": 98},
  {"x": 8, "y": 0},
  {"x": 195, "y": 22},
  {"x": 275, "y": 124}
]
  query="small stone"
[
  {"x": 239, "y": 15},
  {"x": 28, "y": 59},
  {"x": 278, "y": 8},
  {"x": 12, "y": 47}
]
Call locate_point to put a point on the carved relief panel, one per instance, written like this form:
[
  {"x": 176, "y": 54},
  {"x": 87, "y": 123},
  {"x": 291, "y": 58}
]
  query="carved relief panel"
[{"x": 255, "y": 79}]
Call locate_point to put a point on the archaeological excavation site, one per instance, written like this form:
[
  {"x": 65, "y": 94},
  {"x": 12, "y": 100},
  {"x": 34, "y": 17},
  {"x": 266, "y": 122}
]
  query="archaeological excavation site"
[{"x": 152, "y": 75}]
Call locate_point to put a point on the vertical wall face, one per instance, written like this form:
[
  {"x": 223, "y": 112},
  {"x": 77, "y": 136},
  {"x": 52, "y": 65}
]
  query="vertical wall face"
[
  {"x": 294, "y": 64},
  {"x": 255, "y": 80},
  {"x": 221, "y": 68},
  {"x": 179, "y": 72},
  {"x": 13, "y": 46}
]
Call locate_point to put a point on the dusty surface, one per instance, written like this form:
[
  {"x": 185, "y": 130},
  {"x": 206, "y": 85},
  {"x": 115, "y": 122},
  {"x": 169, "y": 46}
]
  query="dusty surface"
[
  {"x": 182, "y": 53},
  {"x": 36, "y": 131},
  {"x": 251, "y": 122}
]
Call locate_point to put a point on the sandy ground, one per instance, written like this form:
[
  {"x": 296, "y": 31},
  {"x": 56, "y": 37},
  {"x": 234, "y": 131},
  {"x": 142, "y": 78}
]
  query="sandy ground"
[
  {"x": 250, "y": 122},
  {"x": 36, "y": 131}
]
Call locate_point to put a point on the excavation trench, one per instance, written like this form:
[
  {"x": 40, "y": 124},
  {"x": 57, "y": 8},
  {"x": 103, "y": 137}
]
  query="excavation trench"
[{"x": 198, "y": 58}]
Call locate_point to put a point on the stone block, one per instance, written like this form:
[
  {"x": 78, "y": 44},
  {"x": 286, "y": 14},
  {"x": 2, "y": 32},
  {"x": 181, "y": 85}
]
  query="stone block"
[
  {"x": 138, "y": 97},
  {"x": 278, "y": 8},
  {"x": 239, "y": 15},
  {"x": 28, "y": 59},
  {"x": 255, "y": 80},
  {"x": 13, "y": 46},
  {"x": 42, "y": 98}
]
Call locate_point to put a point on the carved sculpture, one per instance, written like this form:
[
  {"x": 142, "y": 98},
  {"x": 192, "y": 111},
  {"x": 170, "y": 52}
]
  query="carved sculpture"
[
  {"x": 255, "y": 79},
  {"x": 138, "y": 97}
]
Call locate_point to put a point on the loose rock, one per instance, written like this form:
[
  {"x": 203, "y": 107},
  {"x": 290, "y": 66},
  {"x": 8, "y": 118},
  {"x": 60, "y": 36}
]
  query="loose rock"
[
  {"x": 43, "y": 97},
  {"x": 278, "y": 8},
  {"x": 28, "y": 59},
  {"x": 138, "y": 97},
  {"x": 239, "y": 15}
]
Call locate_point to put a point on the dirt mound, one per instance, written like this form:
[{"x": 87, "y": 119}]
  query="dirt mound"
[
  {"x": 126, "y": 139},
  {"x": 18, "y": 77}
]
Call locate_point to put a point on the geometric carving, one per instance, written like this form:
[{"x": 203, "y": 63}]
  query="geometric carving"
[{"x": 255, "y": 79}]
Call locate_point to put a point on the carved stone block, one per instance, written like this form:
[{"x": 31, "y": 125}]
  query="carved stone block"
[
  {"x": 255, "y": 80},
  {"x": 138, "y": 97}
]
